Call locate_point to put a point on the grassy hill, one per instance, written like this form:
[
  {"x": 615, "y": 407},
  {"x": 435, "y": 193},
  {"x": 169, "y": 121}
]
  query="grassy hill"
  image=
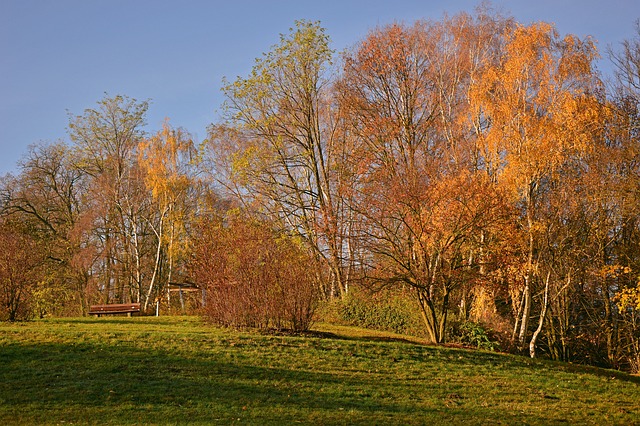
[{"x": 176, "y": 370}]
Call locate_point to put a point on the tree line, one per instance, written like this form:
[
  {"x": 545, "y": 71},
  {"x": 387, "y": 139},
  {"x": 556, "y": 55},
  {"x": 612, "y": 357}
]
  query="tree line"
[{"x": 483, "y": 166}]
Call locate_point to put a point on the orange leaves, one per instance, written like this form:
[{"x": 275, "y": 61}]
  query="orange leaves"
[
  {"x": 614, "y": 271},
  {"x": 458, "y": 208},
  {"x": 404, "y": 89},
  {"x": 391, "y": 51},
  {"x": 164, "y": 158},
  {"x": 535, "y": 99},
  {"x": 387, "y": 88}
]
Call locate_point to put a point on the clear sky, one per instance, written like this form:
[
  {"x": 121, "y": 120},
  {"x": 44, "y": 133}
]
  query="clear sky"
[{"x": 62, "y": 56}]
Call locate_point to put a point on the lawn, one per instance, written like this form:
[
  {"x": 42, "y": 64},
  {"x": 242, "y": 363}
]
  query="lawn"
[{"x": 177, "y": 370}]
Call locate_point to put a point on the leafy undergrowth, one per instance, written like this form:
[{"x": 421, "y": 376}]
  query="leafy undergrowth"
[{"x": 176, "y": 370}]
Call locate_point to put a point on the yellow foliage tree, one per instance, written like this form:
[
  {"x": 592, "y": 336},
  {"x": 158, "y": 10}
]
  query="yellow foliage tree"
[{"x": 165, "y": 159}]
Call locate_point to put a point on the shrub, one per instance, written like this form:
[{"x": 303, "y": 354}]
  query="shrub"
[
  {"x": 254, "y": 276},
  {"x": 21, "y": 260},
  {"x": 384, "y": 310},
  {"x": 473, "y": 334}
]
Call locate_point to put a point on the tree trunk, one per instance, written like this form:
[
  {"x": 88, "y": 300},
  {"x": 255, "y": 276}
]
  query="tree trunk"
[
  {"x": 517, "y": 318},
  {"x": 443, "y": 317},
  {"x": 156, "y": 265},
  {"x": 543, "y": 314},
  {"x": 429, "y": 317},
  {"x": 526, "y": 312}
]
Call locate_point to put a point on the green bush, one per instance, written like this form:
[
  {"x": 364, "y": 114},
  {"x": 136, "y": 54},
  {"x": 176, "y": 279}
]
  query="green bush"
[
  {"x": 386, "y": 311},
  {"x": 473, "y": 334},
  {"x": 398, "y": 312}
]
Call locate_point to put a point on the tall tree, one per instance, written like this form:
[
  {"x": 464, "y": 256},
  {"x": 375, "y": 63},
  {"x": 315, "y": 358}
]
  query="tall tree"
[
  {"x": 540, "y": 110},
  {"x": 107, "y": 138},
  {"x": 622, "y": 174},
  {"x": 423, "y": 204},
  {"x": 49, "y": 196},
  {"x": 281, "y": 148},
  {"x": 21, "y": 260},
  {"x": 166, "y": 160}
]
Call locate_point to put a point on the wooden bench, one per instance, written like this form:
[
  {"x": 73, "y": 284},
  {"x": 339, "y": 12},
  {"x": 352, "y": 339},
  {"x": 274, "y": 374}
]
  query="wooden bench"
[{"x": 114, "y": 308}]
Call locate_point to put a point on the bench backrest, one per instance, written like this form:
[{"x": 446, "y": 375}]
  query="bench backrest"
[{"x": 116, "y": 307}]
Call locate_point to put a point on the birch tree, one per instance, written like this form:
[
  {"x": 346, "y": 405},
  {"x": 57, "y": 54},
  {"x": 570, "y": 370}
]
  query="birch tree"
[
  {"x": 540, "y": 110},
  {"x": 166, "y": 159},
  {"x": 107, "y": 138}
]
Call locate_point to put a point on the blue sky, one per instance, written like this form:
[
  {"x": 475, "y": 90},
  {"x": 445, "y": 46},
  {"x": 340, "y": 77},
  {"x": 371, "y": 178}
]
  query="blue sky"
[{"x": 59, "y": 56}]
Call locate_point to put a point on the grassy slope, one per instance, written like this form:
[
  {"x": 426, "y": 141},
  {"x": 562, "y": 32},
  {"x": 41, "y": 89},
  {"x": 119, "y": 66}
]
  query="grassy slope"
[{"x": 176, "y": 370}]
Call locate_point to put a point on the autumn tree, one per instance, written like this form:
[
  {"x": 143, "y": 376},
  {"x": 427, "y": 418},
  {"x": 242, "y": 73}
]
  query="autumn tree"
[
  {"x": 620, "y": 261},
  {"x": 48, "y": 196},
  {"x": 626, "y": 61},
  {"x": 279, "y": 144},
  {"x": 423, "y": 204},
  {"x": 167, "y": 160},
  {"x": 539, "y": 111},
  {"x": 21, "y": 261},
  {"x": 111, "y": 209},
  {"x": 107, "y": 138}
]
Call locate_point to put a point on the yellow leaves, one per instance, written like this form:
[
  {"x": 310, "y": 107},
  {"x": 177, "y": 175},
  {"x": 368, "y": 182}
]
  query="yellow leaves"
[
  {"x": 614, "y": 271},
  {"x": 626, "y": 297},
  {"x": 163, "y": 158},
  {"x": 242, "y": 164},
  {"x": 292, "y": 70},
  {"x": 629, "y": 298}
]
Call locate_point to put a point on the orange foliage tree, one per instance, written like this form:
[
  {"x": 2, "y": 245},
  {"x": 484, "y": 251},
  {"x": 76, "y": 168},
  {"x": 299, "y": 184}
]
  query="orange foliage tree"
[
  {"x": 539, "y": 111},
  {"x": 424, "y": 204}
]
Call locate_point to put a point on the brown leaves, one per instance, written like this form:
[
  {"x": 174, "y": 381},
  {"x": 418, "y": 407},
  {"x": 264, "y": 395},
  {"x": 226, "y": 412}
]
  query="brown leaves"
[
  {"x": 21, "y": 261},
  {"x": 254, "y": 275}
]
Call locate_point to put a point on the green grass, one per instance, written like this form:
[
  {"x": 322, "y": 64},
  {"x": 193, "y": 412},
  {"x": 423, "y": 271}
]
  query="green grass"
[{"x": 176, "y": 370}]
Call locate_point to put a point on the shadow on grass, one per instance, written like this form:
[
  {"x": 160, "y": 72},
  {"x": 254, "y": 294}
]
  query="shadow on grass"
[
  {"x": 466, "y": 356},
  {"x": 91, "y": 383},
  {"x": 186, "y": 374},
  {"x": 518, "y": 362},
  {"x": 38, "y": 379}
]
